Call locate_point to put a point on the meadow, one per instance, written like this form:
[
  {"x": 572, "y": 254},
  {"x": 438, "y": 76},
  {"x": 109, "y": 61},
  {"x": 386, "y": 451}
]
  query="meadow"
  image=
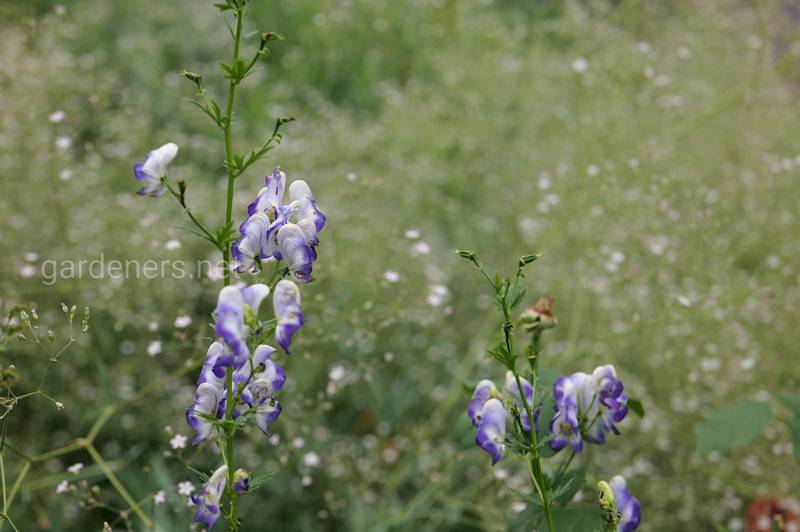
[{"x": 649, "y": 151}]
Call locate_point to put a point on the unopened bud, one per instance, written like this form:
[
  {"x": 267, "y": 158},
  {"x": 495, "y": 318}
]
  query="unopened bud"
[
  {"x": 59, "y": 405},
  {"x": 51, "y": 335},
  {"x": 241, "y": 481}
]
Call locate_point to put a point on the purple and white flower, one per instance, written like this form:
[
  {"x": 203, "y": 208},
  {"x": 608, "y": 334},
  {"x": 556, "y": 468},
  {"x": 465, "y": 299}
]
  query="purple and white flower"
[
  {"x": 628, "y": 507},
  {"x": 206, "y": 401},
  {"x": 483, "y": 391},
  {"x": 208, "y": 498},
  {"x": 294, "y": 248},
  {"x": 154, "y": 168},
  {"x": 234, "y": 303},
  {"x": 491, "y": 435},
  {"x": 286, "y": 303},
  {"x": 267, "y": 377},
  {"x": 247, "y": 251}
]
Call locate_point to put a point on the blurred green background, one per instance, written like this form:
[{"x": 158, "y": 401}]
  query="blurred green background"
[{"x": 649, "y": 150}]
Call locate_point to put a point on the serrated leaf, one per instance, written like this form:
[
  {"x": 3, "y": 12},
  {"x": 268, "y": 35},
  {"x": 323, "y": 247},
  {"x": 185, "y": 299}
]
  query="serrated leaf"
[
  {"x": 568, "y": 487},
  {"x": 732, "y": 427},
  {"x": 635, "y": 406}
]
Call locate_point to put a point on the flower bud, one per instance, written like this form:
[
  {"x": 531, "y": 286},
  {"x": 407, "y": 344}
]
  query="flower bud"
[
  {"x": 59, "y": 405},
  {"x": 241, "y": 481},
  {"x": 539, "y": 316}
]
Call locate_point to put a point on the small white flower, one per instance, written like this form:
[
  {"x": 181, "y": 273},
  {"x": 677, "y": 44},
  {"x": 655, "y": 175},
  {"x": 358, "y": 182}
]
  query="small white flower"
[
  {"x": 154, "y": 348},
  {"x": 391, "y": 276},
  {"x": 593, "y": 170},
  {"x": 172, "y": 245},
  {"x": 178, "y": 441},
  {"x": 56, "y": 117},
  {"x": 28, "y": 270},
  {"x": 31, "y": 256},
  {"x": 311, "y": 459},
  {"x": 159, "y": 497},
  {"x": 65, "y": 175},
  {"x": 75, "y": 468},
  {"x": 62, "y": 486},
  {"x": 298, "y": 443},
  {"x": 337, "y": 373},
  {"x": 421, "y": 248},
  {"x": 351, "y": 176},
  {"x": 412, "y": 234},
  {"x": 181, "y": 322},
  {"x": 63, "y": 143},
  {"x": 185, "y": 488},
  {"x": 580, "y": 65}
]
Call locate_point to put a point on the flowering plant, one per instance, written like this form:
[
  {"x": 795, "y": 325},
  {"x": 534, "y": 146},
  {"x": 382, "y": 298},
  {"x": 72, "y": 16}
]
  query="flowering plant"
[
  {"x": 240, "y": 379},
  {"x": 538, "y": 422}
]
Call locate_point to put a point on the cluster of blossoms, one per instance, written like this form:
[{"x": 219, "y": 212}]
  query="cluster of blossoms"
[
  {"x": 586, "y": 407},
  {"x": 256, "y": 378},
  {"x": 275, "y": 230}
]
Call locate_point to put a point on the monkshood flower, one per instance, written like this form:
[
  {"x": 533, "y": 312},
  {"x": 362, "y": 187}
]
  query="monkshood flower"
[
  {"x": 206, "y": 403},
  {"x": 234, "y": 305},
  {"x": 260, "y": 236},
  {"x": 267, "y": 376},
  {"x": 288, "y": 313},
  {"x": 587, "y": 406},
  {"x": 208, "y": 498},
  {"x": 296, "y": 251},
  {"x": 483, "y": 391},
  {"x": 154, "y": 168},
  {"x": 512, "y": 388},
  {"x": 621, "y": 507},
  {"x": 491, "y": 435}
]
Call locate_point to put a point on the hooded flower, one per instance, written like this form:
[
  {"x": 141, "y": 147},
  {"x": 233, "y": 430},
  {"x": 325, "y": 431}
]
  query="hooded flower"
[
  {"x": 154, "y": 168},
  {"x": 482, "y": 393},
  {"x": 206, "y": 401},
  {"x": 492, "y": 429},
  {"x": 267, "y": 376},
  {"x": 235, "y": 303},
  {"x": 286, "y": 303},
  {"x": 512, "y": 388},
  {"x": 627, "y": 506},
  {"x": 262, "y": 239},
  {"x": 247, "y": 251},
  {"x": 296, "y": 251},
  {"x": 212, "y": 372},
  {"x": 208, "y": 498}
]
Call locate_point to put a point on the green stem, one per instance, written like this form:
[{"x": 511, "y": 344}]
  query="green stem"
[
  {"x": 226, "y": 258},
  {"x": 118, "y": 486}
]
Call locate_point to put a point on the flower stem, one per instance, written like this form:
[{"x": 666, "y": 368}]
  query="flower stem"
[{"x": 226, "y": 259}]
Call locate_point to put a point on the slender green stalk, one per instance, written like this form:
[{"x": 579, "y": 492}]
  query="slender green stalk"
[
  {"x": 226, "y": 258},
  {"x": 118, "y": 486}
]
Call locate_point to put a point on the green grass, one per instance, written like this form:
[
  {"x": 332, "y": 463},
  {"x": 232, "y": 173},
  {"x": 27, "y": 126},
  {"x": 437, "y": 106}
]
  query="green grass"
[{"x": 465, "y": 121}]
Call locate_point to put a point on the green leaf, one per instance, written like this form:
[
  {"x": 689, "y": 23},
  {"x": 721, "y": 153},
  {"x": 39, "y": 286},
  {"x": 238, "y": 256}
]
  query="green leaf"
[
  {"x": 733, "y": 426},
  {"x": 792, "y": 403},
  {"x": 583, "y": 518},
  {"x": 794, "y": 427},
  {"x": 635, "y": 406}
]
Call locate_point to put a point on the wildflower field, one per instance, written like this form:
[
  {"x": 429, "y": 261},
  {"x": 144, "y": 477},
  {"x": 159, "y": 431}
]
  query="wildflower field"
[{"x": 636, "y": 161}]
